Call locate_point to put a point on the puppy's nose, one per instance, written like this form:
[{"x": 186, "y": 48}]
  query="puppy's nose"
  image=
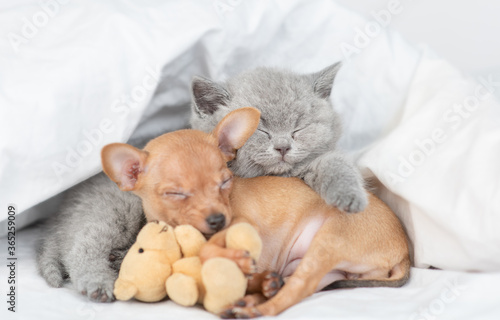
[
  {"x": 282, "y": 150},
  {"x": 216, "y": 221}
]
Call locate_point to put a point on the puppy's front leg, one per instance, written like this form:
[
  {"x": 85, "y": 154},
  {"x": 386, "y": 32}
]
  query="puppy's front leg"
[
  {"x": 216, "y": 247},
  {"x": 268, "y": 283}
]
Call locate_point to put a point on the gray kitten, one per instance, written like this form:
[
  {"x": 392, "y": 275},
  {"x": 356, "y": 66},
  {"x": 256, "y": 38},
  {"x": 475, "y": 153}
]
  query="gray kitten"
[
  {"x": 297, "y": 134},
  {"x": 88, "y": 238}
]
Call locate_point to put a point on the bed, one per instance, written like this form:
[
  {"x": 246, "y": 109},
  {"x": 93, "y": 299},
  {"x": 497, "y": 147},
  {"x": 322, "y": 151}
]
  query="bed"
[{"x": 76, "y": 76}]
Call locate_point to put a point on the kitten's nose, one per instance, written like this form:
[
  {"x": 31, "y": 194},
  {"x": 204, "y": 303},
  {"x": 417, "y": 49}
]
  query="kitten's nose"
[
  {"x": 282, "y": 150},
  {"x": 216, "y": 221}
]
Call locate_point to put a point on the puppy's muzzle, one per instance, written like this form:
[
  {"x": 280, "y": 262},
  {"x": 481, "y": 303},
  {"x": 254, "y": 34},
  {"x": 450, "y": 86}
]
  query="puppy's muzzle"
[{"x": 216, "y": 221}]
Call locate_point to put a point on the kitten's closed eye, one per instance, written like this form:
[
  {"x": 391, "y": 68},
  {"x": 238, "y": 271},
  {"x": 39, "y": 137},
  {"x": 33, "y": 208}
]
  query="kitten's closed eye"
[
  {"x": 296, "y": 131},
  {"x": 265, "y": 132}
]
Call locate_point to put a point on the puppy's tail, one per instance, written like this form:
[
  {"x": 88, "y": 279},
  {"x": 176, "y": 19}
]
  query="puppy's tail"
[{"x": 399, "y": 275}]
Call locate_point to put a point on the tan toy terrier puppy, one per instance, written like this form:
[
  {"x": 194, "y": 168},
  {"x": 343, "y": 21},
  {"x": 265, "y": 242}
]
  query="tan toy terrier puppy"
[{"x": 182, "y": 178}]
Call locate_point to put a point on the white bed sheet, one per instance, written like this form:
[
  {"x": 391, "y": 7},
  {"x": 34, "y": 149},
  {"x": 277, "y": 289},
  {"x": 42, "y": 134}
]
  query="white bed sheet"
[{"x": 429, "y": 295}]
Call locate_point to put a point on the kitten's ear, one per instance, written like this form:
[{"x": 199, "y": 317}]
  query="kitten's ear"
[
  {"x": 208, "y": 95},
  {"x": 123, "y": 164},
  {"x": 323, "y": 80},
  {"x": 234, "y": 130}
]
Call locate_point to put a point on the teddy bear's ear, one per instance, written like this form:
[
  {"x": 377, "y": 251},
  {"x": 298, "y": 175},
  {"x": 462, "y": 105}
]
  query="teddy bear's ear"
[
  {"x": 123, "y": 164},
  {"x": 124, "y": 290},
  {"x": 234, "y": 130}
]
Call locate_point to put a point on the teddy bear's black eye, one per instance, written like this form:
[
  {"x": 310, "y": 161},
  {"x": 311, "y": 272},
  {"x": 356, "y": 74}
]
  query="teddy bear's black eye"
[{"x": 141, "y": 250}]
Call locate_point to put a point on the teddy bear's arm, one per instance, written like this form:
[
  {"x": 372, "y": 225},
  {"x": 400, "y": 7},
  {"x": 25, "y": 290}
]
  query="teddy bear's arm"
[{"x": 189, "y": 239}]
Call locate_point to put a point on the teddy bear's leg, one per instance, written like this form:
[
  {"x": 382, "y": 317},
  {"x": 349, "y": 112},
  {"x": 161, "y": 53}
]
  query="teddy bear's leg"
[
  {"x": 124, "y": 290},
  {"x": 185, "y": 286},
  {"x": 182, "y": 289},
  {"x": 268, "y": 283},
  {"x": 224, "y": 283}
]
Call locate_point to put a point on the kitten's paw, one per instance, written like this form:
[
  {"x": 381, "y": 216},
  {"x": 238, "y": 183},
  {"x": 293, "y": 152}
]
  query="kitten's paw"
[
  {"x": 349, "y": 200},
  {"x": 53, "y": 275},
  {"x": 116, "y": 257},
  {"x": 98, "y": 291}
]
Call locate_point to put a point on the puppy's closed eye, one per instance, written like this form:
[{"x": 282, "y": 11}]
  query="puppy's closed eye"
[
  {"x": 176, "y": 195},
  {"x": 226, "y": 183}
]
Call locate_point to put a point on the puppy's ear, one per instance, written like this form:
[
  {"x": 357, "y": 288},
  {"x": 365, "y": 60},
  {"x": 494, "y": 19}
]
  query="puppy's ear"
[
  {"x": 208, "y": 96},
  {"x": 123, "y": 164},
  {"x": 323, "y": 80},
  {"x": 234, "y": 130}
]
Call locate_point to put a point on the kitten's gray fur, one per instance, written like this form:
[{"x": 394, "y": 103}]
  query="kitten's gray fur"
[
  {"x": 89, "y": 236},
  {"x": 296, "y": 113}
]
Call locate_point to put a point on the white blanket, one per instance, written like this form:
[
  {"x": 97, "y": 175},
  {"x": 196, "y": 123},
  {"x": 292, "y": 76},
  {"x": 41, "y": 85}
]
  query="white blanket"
[{"x": 76, "y": 75}]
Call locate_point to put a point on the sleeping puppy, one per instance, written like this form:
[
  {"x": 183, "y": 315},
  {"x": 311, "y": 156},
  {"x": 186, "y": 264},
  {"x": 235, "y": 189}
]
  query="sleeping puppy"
[{"x": 182, "y": 178}]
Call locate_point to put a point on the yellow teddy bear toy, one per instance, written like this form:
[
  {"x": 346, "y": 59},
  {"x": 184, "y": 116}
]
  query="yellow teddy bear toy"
[{"x": 164, "y": 261}]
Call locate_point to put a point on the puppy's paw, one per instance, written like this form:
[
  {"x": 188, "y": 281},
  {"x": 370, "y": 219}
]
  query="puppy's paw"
[
  {"x": 246, "y": 263},
  {"x": 95, "y": 290},
  {"x": 240, "y": 313},
  {"x": 349, "y": 199},
  {"x": 241, "y": 257},
  {"x": 272, "y": 284},
  {"x": 248, "y": 301}
]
